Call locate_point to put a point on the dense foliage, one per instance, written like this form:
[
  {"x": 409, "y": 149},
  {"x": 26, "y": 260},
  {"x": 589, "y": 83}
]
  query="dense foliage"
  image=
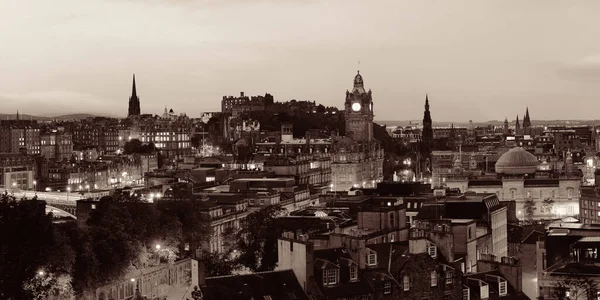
[
  {"x": 135, "y": 146},
  {"x": 34, "y": 255},
  {"x": 257, "y": 240},
  {"x": 40, "y": 259}
]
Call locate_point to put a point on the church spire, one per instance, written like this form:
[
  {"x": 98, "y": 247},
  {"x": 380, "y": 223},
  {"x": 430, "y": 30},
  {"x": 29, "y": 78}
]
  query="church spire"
[
  {"x": 133, "y": 90},
  {"x": 426, "y": 102},
  {"x": 134, "y": 101},
  {"x": 18, "y": 115}
]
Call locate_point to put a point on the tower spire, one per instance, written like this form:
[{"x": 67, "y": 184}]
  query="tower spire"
[
  {"x": 134, "y": 101},
  {"x": 18, "y": 115},
  {"x": 133, "y": 89}
]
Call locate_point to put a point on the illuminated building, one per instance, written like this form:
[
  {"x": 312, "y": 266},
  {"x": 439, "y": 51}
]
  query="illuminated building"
[
  {"x": 357, "y": 157},
  {"x": 519, "y": 179}
]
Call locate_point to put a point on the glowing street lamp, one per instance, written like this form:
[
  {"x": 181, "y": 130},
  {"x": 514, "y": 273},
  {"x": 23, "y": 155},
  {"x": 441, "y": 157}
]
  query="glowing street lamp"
[
  {"x": 157, "y": 247},
  {"x": 41, "y": 272}
]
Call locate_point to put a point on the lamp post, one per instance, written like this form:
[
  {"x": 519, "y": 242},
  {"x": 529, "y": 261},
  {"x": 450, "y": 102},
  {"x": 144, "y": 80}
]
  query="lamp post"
[{"x": 157, "y": 254}]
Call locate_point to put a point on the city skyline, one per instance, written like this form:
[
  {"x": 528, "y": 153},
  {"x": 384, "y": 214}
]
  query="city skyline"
[{"x": 466, "y": 57}]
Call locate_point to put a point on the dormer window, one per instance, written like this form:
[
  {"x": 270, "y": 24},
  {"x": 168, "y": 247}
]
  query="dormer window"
[
  {"x": 331, "y": 277},
  {"x": 371, "y": 259},
  {"x": 466, "y": 294},
  {"x": 502, "y": 288},
  {"x": 353, "y": 273},
  {"x": 432, "y": 251}
]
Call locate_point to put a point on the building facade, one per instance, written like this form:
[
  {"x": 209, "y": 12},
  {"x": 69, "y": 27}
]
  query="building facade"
[{"x": 358, "y": 158}]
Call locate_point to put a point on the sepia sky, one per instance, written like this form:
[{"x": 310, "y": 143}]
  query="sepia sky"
[{"x": 479, "y": 60}]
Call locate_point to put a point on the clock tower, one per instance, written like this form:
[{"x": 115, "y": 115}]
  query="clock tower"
[{"x": 358, "y": 112}]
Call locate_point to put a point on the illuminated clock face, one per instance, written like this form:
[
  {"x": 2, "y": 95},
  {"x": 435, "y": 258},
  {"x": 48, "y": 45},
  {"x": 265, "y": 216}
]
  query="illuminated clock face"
[{"x": 356, "y": 106}]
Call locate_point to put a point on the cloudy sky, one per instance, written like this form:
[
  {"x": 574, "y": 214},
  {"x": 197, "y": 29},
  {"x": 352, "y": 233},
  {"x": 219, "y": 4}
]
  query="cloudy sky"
[{"x": 479, "y": 60}]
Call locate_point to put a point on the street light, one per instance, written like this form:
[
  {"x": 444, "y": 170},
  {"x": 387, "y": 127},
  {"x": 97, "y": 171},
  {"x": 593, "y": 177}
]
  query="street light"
[
  {"x": 41, "y": 272},
  {"x": 157, "y": 254}
]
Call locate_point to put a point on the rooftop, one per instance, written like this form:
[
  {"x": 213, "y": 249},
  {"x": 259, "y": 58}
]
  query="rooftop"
[{"x": 277, "y": 285}]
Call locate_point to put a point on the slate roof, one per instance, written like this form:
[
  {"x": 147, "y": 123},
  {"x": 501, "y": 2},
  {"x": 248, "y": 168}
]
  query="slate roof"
[
  {"x": 360, "y": 287},
  {"x": 279, "y": 285},
  {"x": 512, "y": 293}
]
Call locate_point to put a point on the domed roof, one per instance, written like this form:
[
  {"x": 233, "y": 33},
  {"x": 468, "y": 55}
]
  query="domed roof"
[{"x": 517, "y": 161}]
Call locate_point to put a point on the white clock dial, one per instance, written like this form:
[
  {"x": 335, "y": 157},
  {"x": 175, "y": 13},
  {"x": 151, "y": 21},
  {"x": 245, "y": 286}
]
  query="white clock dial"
[{"x": 356, "y": 106}]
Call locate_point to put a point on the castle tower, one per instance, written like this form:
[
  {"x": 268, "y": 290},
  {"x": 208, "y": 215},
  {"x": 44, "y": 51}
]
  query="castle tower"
[
  {"x": 506, "y": 125},
  {"x": 134, "y": 101},
  {"x": 359, "y": 112}
]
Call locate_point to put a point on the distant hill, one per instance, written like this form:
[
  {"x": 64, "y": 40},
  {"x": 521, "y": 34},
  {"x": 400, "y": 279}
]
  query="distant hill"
[{"x": 42, "y": 118}]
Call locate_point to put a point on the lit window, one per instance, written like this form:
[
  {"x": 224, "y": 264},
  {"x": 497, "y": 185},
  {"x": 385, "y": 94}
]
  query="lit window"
[
  {"x": 93, "y": 206},
  {"x": 406, "y": 283},
  {"x": 434, "y": 278}
]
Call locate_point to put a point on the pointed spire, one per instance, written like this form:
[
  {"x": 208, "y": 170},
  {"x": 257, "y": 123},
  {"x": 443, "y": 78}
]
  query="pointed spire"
[
  {"x": 426, "y": 102},
  {"x": 133, "y": 89},
  {"x": 18, "y": 115},
  {"x": 134, "y": 101}
]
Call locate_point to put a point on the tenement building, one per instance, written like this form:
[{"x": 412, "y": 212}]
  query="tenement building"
[
  {"x": 538, "y": 194},
  {"x": 358, "y": 157}
]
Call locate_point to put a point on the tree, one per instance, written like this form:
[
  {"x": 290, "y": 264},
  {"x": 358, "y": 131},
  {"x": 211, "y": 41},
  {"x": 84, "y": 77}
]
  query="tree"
[
  {"x": 547, "y": 205},
  {"x": 530, "y": 208},
  {"x": 31, "y": 245},
  {"x": 135, "y": 146},
  {"x": 257, "y": 241},
  {"x": 196, "y": 141},
  {"x": 46, "y": 286},
  {"x": 219, "y": 264},
  {"x": 578, "y": 286}
]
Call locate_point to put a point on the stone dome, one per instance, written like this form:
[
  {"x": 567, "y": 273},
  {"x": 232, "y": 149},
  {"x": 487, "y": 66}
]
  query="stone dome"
[{"x": 517, "y": 161}]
